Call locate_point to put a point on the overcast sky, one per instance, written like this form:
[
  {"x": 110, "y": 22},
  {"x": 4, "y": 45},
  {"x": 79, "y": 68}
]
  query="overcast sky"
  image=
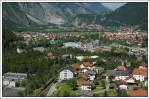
[{"x": 113, "y": 6}]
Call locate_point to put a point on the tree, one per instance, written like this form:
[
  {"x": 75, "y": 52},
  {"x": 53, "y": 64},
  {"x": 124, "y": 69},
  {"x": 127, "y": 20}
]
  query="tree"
[
  {"x": 102, "y": 83},
  {"x": 72, "y": 83},
  {"x": 24, "y": 83},
  {"x": 21, "y": 93},
  {"x": 112, "y": 93},
  {"x": 64, "y": 90},
  {"x": 122, "y": 93}
]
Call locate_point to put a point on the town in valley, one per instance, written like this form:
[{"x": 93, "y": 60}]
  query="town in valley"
[{"x": 84, "y": 60}]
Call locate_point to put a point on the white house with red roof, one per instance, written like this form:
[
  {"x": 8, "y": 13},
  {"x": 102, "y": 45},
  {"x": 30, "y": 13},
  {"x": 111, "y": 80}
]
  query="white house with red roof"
[{"x": 140, "y": 73}]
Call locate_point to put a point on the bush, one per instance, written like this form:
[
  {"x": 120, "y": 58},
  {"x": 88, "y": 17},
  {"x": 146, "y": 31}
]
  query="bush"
[
  {"x": 122, "y": 93},
  {"x": 102, "y": 83},
  {"x": 93, "y": 87},
  {"x": 112, "y": 93},
  {"x": 64, "y": 90},
  {"x": 24, "y": 83}
]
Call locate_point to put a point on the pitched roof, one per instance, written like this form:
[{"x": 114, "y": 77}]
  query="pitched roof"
[
  {"x": 121, "y": 68},
  {"x": 120, "y": 82},
  {"x": 67, "y": 68},
  {"x": 75, "y": 66},
  {"x": 117, "y": 73},
  {"x": 84, "y": 82},
  {"x": 143, "y": 64},
  {"x": 90, "y": 72},
  {"x": 88, "y": 64},
  {"x": 82, "y": 76},
  {"x": 137, "y": 71},
  {"x": 138, "y": 93},
  {"x": 130, "y": 77}
]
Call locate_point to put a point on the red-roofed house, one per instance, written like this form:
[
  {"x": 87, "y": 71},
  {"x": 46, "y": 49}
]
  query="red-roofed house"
[
  {"x": 140, "y": 73},
  {"x": 87, "y": 65},
  {"x": 76, "y": 66},
  {"x": 82, "y": 76},
  {"x": 83, "y": 82}
]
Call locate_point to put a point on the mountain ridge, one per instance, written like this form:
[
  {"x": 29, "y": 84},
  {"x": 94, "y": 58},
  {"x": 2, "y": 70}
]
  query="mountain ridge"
[
  {"x": 26, "y": 14},
  {"x": 138, "y": 15}
]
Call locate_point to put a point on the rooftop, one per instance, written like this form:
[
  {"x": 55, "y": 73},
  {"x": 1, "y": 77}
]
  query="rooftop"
[
  {"x": 138, "y": 71},
  {"x": 82, "y": 76},
  {"x": 90, "y": 72},
  {"x": 14, "y": 76},
  {"x": 121, "y": 68},
  {"x": 117, "y": 73},
  {"x": 75, "y": 66},
  {"x": 84, "y": 82},
  {"x": 88, "y": 64}
]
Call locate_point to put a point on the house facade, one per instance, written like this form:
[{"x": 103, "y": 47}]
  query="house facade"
[
  {"x": 118, "y": 75},
  {"x": 12, "y": 79},
  {"x": 65, "y": 74},
  {"x": 85, "y": 87},
  {"x": 140, "y": 73},
  {"x": 9, "y": 83}
]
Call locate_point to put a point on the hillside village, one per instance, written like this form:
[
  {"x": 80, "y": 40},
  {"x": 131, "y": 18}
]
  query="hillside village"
[
  {"x": 103, "y": 56},
  {"x": 89, "y": 77}
]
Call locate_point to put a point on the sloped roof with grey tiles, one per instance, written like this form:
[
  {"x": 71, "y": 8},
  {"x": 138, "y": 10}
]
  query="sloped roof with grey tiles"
[{"x": 117, "y": 73}]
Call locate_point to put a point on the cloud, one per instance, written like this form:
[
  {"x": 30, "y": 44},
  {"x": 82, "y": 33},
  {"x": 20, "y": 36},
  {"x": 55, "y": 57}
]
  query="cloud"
[{"x": 114, "y": 5}]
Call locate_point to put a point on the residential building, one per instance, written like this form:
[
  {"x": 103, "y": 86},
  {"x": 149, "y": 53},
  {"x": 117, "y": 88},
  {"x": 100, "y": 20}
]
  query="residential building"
[
  {"x": 76, "y": 66},
  {"x": 66, "y": 73},
  {"x": 88, "y": 65},
  {"x": 130, "y": 80},
  {"x": 12, "y": 79},
  {"x": 140, "y": 73},
  {"x": 99, "y": 70},
  {"x": 123, "y": 87},
  {"x": 72, "y": 44},
  {"x": 91, "y": 74},
  {"x": 40, "y": 49},
  {"x": 118, "y": 75},
  {"x": 120, "y": 68},
  {"x": 83, "y": 81}
]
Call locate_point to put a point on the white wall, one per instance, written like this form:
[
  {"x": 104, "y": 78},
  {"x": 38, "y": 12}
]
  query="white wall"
[
  {"x": 123, "y": 87},
  {"x": 65, "y": 74},
  {"x": 121, "y": 77},
  {"x": 9, "y": 83},
  {"x": 130, "y": 80},
  {"x": 139, "y": 77},
  {"x": 85, "y": 87}
]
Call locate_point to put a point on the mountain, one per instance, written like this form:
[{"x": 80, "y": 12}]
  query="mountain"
[
  {"x": 28, "y": 13},
  {"x": 131, "y": 13},
  {"x": 128, "y": 14},
  {"x": 96, "y": 7}
]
